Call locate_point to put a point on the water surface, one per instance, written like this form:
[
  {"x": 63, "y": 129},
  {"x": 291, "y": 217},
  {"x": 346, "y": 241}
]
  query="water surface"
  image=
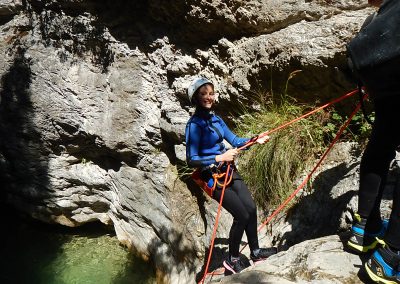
[{"x": 33, "y": 252}]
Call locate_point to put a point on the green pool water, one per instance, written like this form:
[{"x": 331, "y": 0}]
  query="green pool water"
[{"x": 33, "y": 252}]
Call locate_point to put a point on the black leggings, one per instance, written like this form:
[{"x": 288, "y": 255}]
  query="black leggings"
[
  {"x": 238, "y": 202},
  {"x": 375, "y": 163}
]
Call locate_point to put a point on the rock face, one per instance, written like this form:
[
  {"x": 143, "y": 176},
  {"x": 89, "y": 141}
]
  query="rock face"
[
  {"x": 10, "y": 7},
  {"x": 93, "y": 105},
  {"x": 326, "y": 207},
  {"x": 320, "y": 260}
]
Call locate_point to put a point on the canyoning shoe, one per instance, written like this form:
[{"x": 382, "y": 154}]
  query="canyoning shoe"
[
  {"x": 362, "y": 241},
  {"x": 262, "y": 253},
  {"x": 234, "y": 266},
  {"x": 384, "y": 266}
]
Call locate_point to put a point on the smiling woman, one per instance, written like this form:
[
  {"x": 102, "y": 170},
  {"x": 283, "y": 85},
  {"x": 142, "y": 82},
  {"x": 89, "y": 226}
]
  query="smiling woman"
[{"x": 205, "y": 150}]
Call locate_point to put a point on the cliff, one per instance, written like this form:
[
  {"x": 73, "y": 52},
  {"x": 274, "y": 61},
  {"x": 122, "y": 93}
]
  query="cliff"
[{"x": 93, "y": 108}]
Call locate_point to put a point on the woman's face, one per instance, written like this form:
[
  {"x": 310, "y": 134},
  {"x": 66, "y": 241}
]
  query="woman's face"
[{"x": 206, "y": 96}]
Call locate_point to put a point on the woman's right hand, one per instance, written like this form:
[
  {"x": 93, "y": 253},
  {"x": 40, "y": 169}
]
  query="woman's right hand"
[{"x": 228, "y": 156}]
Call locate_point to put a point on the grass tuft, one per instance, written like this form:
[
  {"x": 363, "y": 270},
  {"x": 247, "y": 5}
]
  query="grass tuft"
[{"x": 272, "y": 168}]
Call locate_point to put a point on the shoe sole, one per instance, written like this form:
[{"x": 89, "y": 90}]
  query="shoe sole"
[
  {"x": 255, "y": 261},
  {"x": 376, "y": 278},
  {"x": 227, "y": 266},
  {"x": 360, "y": 248},
  {"x": 258, "y": 261}
]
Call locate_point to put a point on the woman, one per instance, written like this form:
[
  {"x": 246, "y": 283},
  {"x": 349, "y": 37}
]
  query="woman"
[{"x": 205, "y": 149}]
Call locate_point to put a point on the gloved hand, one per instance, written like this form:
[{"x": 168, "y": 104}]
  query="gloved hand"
[{"x": 263, "y": 139}]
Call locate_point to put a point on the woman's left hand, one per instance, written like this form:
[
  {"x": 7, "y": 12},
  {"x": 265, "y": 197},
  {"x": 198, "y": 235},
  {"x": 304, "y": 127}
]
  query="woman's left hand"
[{"x": 263, "y": 139}]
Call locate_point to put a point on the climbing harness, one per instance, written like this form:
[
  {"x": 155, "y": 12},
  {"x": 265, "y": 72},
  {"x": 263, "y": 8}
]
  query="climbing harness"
[
  {"x": 301, "y": 186},
  {"x": 215, "y": 177}
]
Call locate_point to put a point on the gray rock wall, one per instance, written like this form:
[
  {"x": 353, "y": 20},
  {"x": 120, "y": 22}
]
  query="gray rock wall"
[{"x": 93, "y": 104}]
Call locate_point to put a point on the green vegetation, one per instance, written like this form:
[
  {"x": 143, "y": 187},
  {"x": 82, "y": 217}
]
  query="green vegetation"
[
  {"x": 184, "y": 171},
  {"x": 271, "y": 169}
]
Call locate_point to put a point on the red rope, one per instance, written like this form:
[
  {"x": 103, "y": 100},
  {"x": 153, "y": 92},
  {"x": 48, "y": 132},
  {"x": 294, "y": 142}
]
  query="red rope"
[
  {"x": 251, "y": 142},
  {"x": 216, "y": 223},
  {"x": 301, "y": 186}
]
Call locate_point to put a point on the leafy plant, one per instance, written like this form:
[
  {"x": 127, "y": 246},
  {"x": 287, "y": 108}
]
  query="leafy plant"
[{"x": 184, "y": 171}]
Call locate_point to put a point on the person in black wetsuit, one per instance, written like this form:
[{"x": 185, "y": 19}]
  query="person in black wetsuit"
[{"x": 369, "y": 232}]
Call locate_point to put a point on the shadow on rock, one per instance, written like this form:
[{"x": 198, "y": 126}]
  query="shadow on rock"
[
  {"x": 219, "y": 254},
  {"x": 23, "y": 156},
  {"x": 184, "y": 174},
  {"x": 171, "y": 252},
  {"x": 77, "y": 34},
  {"x": 319, "y": 213},
  {"x": 24, "y": 178}
]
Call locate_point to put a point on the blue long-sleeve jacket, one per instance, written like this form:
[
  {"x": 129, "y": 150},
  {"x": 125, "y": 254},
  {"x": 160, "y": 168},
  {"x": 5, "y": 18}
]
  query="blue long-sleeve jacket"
[{"x": 204, "y": 134}]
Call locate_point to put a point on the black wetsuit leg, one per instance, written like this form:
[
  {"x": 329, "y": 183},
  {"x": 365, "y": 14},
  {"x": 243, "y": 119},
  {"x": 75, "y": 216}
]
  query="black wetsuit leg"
[
  {"x": 239, "y": 202},
  {"x": 380, "y": 151}
]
